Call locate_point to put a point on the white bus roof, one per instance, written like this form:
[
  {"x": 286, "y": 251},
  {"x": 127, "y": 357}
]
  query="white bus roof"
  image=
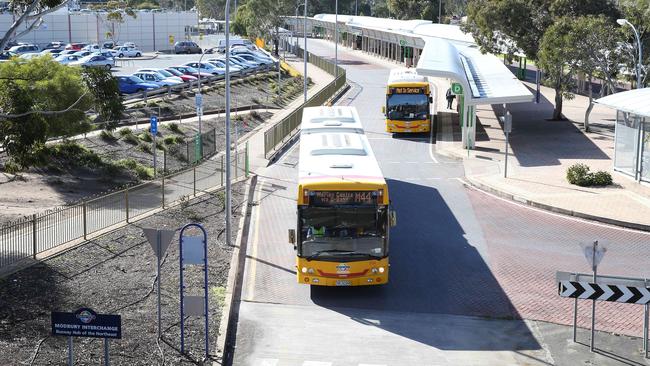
[
  {"x": 405, "y": 76},
  {"x": 330, "y": 119},
  {"x": 338, "y": 152}
]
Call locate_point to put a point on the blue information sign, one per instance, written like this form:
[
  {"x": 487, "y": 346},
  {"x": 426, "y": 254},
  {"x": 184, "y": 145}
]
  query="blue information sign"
[{"x": 154, "y": 124}]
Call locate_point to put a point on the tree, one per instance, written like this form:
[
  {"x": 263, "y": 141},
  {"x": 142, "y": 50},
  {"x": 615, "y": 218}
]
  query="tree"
[
  {"x": 30, "y": 11},
  {"x": 213, "y": 9},
  {"x": 637, "y": 12},
  {"x": 41, "y": 98},
  {"x": 511, "y": 26},
  {"x": 414, "y": 9},
  {"x": 254, "y": 22}
]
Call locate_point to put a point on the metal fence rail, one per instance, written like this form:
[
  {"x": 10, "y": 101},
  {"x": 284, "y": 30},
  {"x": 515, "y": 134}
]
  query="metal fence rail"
[
  {"x": 283, "y": 131},
  {"x": 27, "y": 237}
]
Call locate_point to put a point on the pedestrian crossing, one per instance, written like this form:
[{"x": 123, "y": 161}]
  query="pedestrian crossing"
[{"x": 276, "y": 362}]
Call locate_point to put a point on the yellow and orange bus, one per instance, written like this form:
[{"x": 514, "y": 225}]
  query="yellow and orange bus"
[
  {"x": 408, "y": 102},
  {"x": 344, "y": 212}
]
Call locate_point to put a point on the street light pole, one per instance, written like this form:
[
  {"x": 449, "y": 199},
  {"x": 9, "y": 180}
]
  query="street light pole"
[
  {"x": 199, "y": 82},
  {"x": 228, "y": 162},
  {"x": 439, "y": 11},
  {"x": 638, "y": 42},
  {"x": 336, "y": 39},
  {"x": 304, "y": 31}
]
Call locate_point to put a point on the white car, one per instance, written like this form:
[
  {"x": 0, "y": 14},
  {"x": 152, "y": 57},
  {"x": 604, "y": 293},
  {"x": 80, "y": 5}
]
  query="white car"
[
  {"x": 129, "y": 45},
  {"x": 124, "y": 51},
  {"x": 162, "y": 72},
  {"x": 94, "y": 61},
  {"x": 29, "y": 56},
  {"x": 222, "y": 64},
  {"x": 66, "y": 59},
  {"x": 156, "y": 78}
]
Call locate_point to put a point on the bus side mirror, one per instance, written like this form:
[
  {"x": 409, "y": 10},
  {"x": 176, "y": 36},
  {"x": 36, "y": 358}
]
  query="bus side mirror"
[
  {"x": 383, "y": 109},
  {"x": 292, "y": 236},
  {"x": 392, "y": 219}
]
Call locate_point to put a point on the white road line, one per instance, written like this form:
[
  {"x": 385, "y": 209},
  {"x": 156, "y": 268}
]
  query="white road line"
[
  {"x": 566, "y": 217},
  {"x": 266, "y": 362},
  {"x": 250, "y": 290}
]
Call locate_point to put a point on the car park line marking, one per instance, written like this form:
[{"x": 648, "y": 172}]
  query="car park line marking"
[{"x": 250, "y": 290}]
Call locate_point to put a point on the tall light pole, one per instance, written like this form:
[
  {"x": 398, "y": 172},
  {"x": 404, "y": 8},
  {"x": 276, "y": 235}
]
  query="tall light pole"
[
  {"x": 336, "y": 39},
  {"x": 439, "y": 11},
  {"x": 199, "y": 101},
  {"x": 356, "y": 7},
  {"x": 304, "y": 31},
  {"x": 638, "y": 42},
  {"x": 228, "y": 163},
  {"x": 296, "y": 28}
]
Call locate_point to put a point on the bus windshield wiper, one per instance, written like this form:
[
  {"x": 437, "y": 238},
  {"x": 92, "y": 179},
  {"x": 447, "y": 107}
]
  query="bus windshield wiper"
[{"x": 339, "y": 251}]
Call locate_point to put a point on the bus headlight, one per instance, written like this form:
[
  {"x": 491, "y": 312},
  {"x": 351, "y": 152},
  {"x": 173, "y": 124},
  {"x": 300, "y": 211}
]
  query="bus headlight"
[
  {"x": 310, "y": 270},
  {"x": 374, "y": 270},
  {"x": 304, "y": 269},
  {"x": 381, "y": 269}
]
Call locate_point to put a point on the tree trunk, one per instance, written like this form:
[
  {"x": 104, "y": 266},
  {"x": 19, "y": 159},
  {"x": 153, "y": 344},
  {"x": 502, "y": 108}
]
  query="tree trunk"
[
  {"x": 591, "y": 102},
  {"x": 557, "y": 111},
  {"x": 12, "y": 30}
]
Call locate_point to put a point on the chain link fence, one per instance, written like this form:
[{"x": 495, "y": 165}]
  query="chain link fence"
[
  {"x": 30, "y": 236},
  {"x": 284, "y": 130}
]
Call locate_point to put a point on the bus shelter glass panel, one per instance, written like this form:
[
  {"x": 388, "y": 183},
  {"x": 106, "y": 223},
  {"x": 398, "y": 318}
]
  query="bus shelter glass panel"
[
  {"x": 626, "y": 143},
  {"x": 645, "y": 151}
]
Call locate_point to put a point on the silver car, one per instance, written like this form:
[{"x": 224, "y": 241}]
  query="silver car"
[{"x": 94, "y": 61}]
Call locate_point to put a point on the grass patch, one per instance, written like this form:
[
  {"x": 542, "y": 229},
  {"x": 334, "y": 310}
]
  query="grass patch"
[
  {"x": 218, "y": 293},
  {"x": 107, "y": 136},
  {"x": 145, "y": 148},
  {"x": 146, "y": 137},
  {"x": 173, "y": 127},
  {"x": 141, "y": 171},
  {"x": 131, "y": 139},
  {"x": 125, "y": 132},
  {"x": 170, "y": 140}
]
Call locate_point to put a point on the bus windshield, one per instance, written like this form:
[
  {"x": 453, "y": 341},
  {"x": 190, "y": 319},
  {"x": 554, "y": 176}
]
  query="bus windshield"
[
  {"x": 342, "y": 232},
  {"x": 407, "y": 107}
]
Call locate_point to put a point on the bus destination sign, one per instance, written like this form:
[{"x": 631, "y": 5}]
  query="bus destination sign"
[
  {"x": 330, "y": 198},
  {"x": 408, "y": 90}
]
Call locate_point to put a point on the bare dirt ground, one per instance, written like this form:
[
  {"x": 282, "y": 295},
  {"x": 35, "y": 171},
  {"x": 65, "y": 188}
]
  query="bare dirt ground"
[
  {"x": 115, "y": 274},
  {"x": 40, "y": 189}
]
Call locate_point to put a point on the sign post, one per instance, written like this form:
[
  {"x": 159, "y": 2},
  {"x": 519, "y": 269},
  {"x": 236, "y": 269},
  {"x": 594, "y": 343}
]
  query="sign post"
[
  {"x": 507, "y": 128},
  {"x": 154, "y": 131},
  {"x": 594, "y": 255},
  {"x": 190, "y": 248},
  {"x": 159, "y": 241},
  {"x": 198, "y": 99},
  {"x": 85, "y": 322}
]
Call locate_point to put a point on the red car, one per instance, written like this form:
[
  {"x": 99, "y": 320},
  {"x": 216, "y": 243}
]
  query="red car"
[
  {"x": 184, "y": 77},
  {"x": 75, "y": 46},
  {"x": 187, "y": 70}
]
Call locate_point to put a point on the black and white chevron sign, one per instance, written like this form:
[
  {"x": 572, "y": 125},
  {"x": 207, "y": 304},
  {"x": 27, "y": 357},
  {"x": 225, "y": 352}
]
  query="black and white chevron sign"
[{"x": 604, "y": 292}]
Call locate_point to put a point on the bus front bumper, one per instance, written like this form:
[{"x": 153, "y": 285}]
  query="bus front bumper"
[
  {"x": 402, "y": 126},
  {"x": 362, "y": 273}
]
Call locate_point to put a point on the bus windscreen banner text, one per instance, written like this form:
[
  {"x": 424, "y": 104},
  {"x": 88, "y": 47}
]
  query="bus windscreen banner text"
[
  {"x": 407, "y": 90},
  {"x": 335, "y": 198}
]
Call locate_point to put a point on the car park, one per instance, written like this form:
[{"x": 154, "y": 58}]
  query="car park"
[
  {"x": 129, "y": 45},
  {"x": 187, "y": 47},
  {"x": 162, "y": 72},
  {"x": 184, "y": 77},
  {"x": 91, "y": 47},
  {"x": 94, "y": 61},
  {"x": 108, "y": 45},
  {"x": 124, "y": 51},
  {"x": 156, "y": 78},
  {"x": 54, "y": 46},
  {"x": 189, "y": 70},
  {"x": 133, "y": 84},
  {"x": 83, "y": 53},
  {"x": 24, "y": 48},
  {"x": 66, "y": 59},
  {"x": 222, "y": 65},
  {"x": 243, "y": 61},
  {"x": 206, "y": 67},
  {"x": 29, "y": 56},
  {"x": 250, "y": 57},
  {"x": 51, "y": 52},
  {"x": 221, "y": 46}
]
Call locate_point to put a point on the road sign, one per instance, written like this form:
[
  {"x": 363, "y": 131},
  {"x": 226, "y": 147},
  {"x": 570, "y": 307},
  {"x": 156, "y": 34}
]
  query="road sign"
[
  {"x": 86, "y": 323},
  {"x": 588, "y": 251},
  {"x": 615, "y": 289},
  {"x": 402, "y": 42},
  {"x": 171, "y": 39},
  {"x": 199, "y": 100},
  {"x": 166, "y": 237},
  {"x": 154, "y": 124},
  {"x": 199, "y": 111},
  {"x": 456, "y": 88}
]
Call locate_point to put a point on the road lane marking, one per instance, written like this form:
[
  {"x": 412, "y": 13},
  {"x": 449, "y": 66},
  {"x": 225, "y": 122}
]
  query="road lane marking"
[
  {"x": 266, "y": 362},
  {"x": 250, "y": 290}
]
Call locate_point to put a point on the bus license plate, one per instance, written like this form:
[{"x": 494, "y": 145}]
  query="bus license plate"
[{"x": 343, "y": 283}]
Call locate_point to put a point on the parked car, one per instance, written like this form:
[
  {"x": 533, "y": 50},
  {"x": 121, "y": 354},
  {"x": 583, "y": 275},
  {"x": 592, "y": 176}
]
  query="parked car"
[
  {"x": 67, "y": 52},
  {"x": 189, "y": 70},
  {"x": 108, "y": 45},
  {"x": 56, "y": 45},
  {"x": 234, "y": 63},
  {"x": 104, "y": 53},
  {"x": 129, "y": 45},
  {"x": 184, "y": 77},
  {"x": 221, "y": 46},
  {"x": 29, "y": 56},
  {"x": 243, "y": 61},
  {"x": 52, "y": 52},
  {"x": 94, "y": 61},
  {"x": 91, "y": 47},
  {"x": 162, "y": 72},
  {"x": 124, "y": 51},
  {"x": 249, "y": 46},
  {"x": 75, "y": 46},
  {"x": 6, "y": 55},
  {"x": 253, "y": 56},
  {"x": 10, "y": 44},
  {"x": 222, "y": 65},
  {"x": 133, "y": 84},
  {"x": 187, "y": 47},
  {"x": 206, "y": 67},
  {"x": 25, "y": 48},
  {"x": 66, "y": 59},
  {"x": 156, "y": 78},
  {"x": 83, "y": 53}
]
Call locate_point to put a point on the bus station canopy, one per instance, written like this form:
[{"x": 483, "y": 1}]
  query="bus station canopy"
[
  {"x": 447, "y": 52},
  {"x": 635, "y": 101}
]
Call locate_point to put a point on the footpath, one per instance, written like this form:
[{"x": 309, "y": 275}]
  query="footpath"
[{"x": 540, "y": 152}]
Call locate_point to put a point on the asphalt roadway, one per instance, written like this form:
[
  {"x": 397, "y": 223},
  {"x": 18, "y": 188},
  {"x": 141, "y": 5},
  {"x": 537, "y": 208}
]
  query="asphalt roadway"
[{"x": 444, "y": 304}]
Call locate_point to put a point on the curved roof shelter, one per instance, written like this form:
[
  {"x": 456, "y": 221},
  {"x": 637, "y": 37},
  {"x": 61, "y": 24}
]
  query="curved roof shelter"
[{"x": 632, "y": 101}]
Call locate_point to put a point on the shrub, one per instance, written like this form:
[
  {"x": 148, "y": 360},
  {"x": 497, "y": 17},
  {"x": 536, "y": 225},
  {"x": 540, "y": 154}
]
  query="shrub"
[
  {"x": 170, "y": 140},
  {"x": 141, "y": 171},
  {"x": 146, "y": 137},
  {"x": 580, "y": 175},
  {"x": 174, "y": 128},
  {"x": 179, "y": 140},
  {"x": 131, "y": 139},
  {"x": 255, "y": 115},
  {"x": 125, "y": 131},
  {"x": 11, "y": 167},
  {"x": 145, "y": 148},
  {"x": 107, "y": 136}
]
